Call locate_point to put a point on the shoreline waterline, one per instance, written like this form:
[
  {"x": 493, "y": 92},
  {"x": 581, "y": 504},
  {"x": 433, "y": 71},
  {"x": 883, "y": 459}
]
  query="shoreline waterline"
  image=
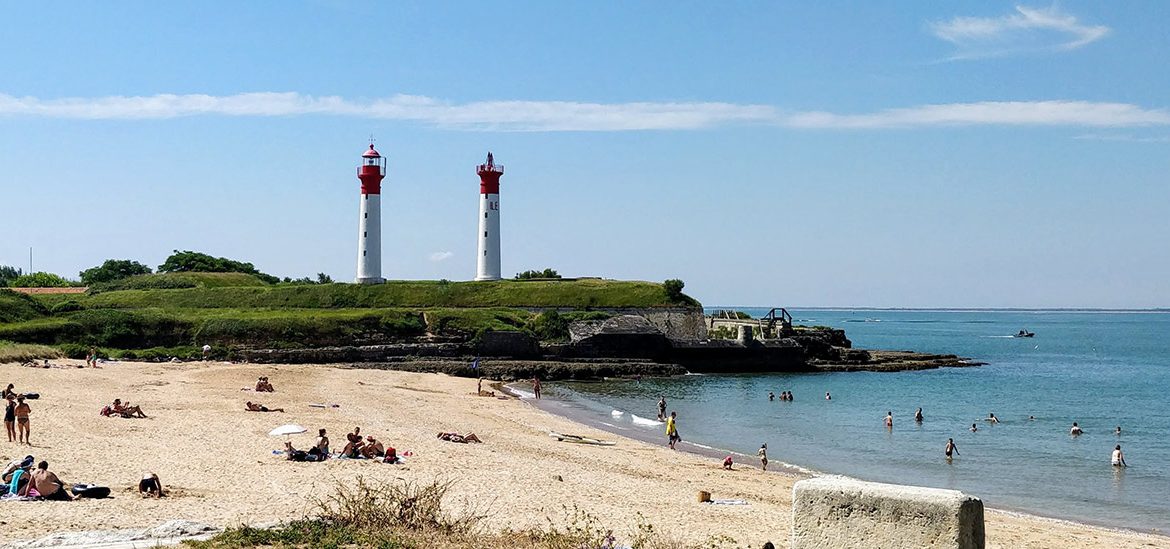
[{"x": 558, "y": 407}]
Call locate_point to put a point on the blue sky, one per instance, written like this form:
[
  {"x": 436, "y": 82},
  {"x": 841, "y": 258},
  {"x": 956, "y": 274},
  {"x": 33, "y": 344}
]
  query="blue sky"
[{"x": 967, "y": 154}]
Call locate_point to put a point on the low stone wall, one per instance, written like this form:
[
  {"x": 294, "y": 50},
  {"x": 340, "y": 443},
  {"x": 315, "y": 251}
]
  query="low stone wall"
[{"x": 835, "y": 512}]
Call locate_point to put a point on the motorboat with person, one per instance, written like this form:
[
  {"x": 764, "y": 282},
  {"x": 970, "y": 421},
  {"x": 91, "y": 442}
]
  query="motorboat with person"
[{"x": 1024, "y": 333}]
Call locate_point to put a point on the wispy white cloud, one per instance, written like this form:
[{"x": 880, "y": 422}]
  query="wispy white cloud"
[
  {"x": 1026, "y": 30},
  {"x": 1123, "y": 137},
  {"x": 575, "y": 116},
  {"x": 992, "y": 113},
  {"x": 441, "y": 256}
]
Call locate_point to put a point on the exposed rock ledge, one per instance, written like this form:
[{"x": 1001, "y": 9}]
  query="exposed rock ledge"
[{"x": 889, "y": 361}]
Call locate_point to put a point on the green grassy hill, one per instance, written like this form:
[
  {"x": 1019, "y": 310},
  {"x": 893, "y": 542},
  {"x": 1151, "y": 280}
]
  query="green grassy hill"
[{"x": 182, "y": 310}]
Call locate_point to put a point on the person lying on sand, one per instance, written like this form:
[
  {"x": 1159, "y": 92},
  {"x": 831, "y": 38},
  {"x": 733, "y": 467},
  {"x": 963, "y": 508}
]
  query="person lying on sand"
[
  {"x": 299, "y": 455},
  {"x": 391, "y": 456},
  {"x": 456, "y": 437},
  {"x": 251, "y": 407},
  {"x": 150, "y": 486},
  {"x": 373, "y": 448},
  {"x": 126, "y": 410}
]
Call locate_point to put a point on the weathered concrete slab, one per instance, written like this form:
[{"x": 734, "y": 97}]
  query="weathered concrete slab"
[{"x": 836, "y": 512}]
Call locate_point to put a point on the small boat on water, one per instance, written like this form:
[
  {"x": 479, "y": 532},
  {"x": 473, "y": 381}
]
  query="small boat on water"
[{"x": 1024, "y": 333}]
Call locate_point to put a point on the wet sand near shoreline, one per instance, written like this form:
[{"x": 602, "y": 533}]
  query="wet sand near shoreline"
[{"x": 217, "y": 459}]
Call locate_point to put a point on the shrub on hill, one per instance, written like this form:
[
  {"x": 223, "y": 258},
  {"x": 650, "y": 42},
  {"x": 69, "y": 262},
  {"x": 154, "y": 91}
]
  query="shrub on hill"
[
  {"x": 188, "y": 261},
  {"x": 41, "y": 280},
  {"x": 531, "y": 275},
  {"x": 178, "y": 281},
  {"x": 113, "y": 269},
  {"x": 8, "y": 273},
  {"x": 16, "y": 307}
]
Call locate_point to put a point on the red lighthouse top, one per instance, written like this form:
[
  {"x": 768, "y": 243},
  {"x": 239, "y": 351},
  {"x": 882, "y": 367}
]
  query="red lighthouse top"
[
  {"x": 489, "y": 176},
  {"x": 372, "y": 170}
]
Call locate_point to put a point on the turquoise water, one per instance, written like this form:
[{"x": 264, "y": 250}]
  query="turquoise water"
[{"x": 1100, "y": 369}]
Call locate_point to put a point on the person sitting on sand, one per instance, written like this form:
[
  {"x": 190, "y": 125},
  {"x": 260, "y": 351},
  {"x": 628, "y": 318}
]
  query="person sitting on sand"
[
  {"x": 354, "y": 445},
  {"x": 462, "y": 439},
  {"x": 150, "y": 486},
  {"x": 126, "y": 410},
  {"x": 373, "y": 448},
  {"x": 255, "y": 407},
  {"x": 391, "y": 456},
  {"x": 15, "y": 465},
  {"x": 1076, "y": 430},
  {"x": 322, "y": 445},
  {"x": 48, "y": 485},
  {"x": 264, "y": 386},
  {"x": 727, "y": 463}
]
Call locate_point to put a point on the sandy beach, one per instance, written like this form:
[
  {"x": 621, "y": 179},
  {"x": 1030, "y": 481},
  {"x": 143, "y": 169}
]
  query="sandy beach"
[{"x": 218, "y": 460}]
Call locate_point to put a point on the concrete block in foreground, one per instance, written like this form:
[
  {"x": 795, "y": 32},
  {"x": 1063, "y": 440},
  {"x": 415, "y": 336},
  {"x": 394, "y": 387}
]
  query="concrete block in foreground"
[{"x": 835, "y": 512}]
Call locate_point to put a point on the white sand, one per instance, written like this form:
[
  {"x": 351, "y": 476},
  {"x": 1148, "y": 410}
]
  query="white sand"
[{"x": 217, "y": 459}]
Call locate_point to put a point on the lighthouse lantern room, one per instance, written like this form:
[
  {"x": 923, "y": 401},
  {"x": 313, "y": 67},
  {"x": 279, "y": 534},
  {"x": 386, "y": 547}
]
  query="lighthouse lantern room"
[{"x": 369, "y": 258}]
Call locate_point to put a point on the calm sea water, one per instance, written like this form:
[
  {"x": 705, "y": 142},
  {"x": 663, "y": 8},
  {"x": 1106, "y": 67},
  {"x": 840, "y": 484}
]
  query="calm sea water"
[{"x": 1100, "y": 369}]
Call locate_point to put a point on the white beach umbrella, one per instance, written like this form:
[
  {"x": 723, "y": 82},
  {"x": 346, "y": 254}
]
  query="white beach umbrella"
[{"x": 285, "y": 430}]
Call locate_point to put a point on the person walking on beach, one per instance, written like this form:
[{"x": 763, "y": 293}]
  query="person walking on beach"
[
  {"x": 672, "y": 437},
  {"x": 889, "y": 421},
  {"x": 661, "y": 407},
  {"x": 951, "y": 448},
  {"x": 21, "y": 412},
  {"x": 536, "y": 387},
  {"x": 10, "y": 417},
  {"x": 763, "y": 453},
  {"x": 1118, "y": 458},
  {"x": 918, "y": 415}
]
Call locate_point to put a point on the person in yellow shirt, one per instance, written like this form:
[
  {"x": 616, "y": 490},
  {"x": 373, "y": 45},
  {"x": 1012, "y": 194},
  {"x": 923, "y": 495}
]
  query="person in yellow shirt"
[{"x": 672, "y": 430}]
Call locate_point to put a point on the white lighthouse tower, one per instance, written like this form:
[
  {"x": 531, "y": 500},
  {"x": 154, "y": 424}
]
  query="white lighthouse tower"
[
  {"x": 369, "y": 259},
  {"x": 488, "y": 259}
]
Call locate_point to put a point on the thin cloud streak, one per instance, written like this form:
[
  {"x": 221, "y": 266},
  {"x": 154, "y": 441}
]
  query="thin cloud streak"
[
  {"x": 551, "y": 116},
  {"x": 437, "y": 257},
  {"x": 1027, "y": 30}
]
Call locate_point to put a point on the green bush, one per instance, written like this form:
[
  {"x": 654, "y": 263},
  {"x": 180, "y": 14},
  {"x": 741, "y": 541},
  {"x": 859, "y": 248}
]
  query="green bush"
[
  {"x": 549, "y": 326},
  {"x": 113, "y": 269},
  {"x": 187, "y": 261},
  {"x": 40, "y": 280},
  {"x": 674, "y": 288},
  {"x": 17, "y": 307},
  {"x": 66, "y": 307},
  {"x": 532, "y": 275}
]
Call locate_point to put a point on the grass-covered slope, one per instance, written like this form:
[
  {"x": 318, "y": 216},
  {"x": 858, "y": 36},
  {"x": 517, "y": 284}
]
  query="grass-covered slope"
[
  {"x": 505, "y": 293},
  {"x": 16, "y": 307}
]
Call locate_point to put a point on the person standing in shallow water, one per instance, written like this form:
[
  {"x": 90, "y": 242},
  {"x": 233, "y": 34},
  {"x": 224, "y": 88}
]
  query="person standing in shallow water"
[
  {"x": 951, "y": 448},
  {"x": 889, "y": 421},
  {"x": 672, "y": 437},
  {"x": 536, "y": 387},
  {"x": 661, "y": 407},
  {"x": 1118, "y": 459},
  {"x": 763, "y": 453},
  {"x": 918, "y": 416}
]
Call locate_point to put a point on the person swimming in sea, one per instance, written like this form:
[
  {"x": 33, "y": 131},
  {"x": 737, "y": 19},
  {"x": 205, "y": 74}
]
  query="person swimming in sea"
[
  {"x": 991, "y": 418},
  {"x": 951, "y": 448},
  {"x": 771, "y": 396},
  {"x": 1076, "y": 430},
  {"x": 974, "y": 428},
  {"x": 918, "y": 415},
  {"x": 828, "y": 396},
  {"x": 1117, "y": 431}
]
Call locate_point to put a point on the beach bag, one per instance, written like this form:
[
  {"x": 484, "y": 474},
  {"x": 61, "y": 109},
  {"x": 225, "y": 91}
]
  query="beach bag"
[{"x": 32, "y": 396}]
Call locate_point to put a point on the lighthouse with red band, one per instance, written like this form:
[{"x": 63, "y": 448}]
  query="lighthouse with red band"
[
  {"x": 488, "y": 262},
  {"x": 369, "y": 261}
]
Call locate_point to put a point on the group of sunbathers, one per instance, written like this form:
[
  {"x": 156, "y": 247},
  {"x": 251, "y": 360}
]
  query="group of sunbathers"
[
  {"x": 120, "y": 409},
  {"x": 356, "y": 447},
  {"x": 22, "y": 480}
]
